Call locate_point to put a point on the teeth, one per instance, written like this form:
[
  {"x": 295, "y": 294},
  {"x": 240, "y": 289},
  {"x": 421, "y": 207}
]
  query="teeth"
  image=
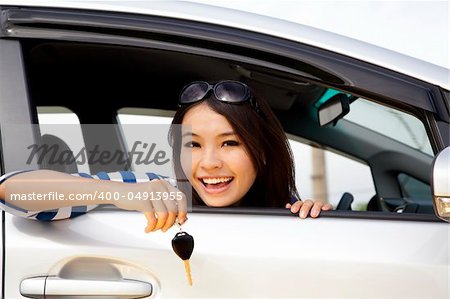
[{"x": 216, "y": 180}]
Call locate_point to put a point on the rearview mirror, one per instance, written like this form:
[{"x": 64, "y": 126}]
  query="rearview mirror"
[
  {"x": 440, "y": 180},
  {"x": 333, "y": 109}
]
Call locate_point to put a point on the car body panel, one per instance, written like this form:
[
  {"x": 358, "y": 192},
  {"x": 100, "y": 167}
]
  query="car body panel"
[{"x": 252, "y": 263}]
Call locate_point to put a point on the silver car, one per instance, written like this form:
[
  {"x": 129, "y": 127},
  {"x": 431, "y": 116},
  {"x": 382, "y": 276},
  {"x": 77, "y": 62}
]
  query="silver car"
[{"x": 371, "y": 124}]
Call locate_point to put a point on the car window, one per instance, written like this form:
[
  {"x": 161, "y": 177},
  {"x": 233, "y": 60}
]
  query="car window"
[
  {"x": 341, "y": 174},
  {"x": 403, "y": 148},
  {"x": 321, "y": 173},
  {"x": 362, "y": 153},
  {"x": 390, "y": 122},
  {"x": 414, "y": 189},
  {"x": 326, "y": 175},
  {"x": 60, "y": 124},
  {"x": 150, "y": 126}
]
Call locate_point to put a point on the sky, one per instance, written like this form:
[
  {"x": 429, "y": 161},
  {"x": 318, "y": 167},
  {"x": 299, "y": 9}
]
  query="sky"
[{"x": 416, "y": 28}]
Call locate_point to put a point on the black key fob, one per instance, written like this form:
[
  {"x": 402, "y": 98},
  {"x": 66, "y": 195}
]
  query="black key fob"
[{"x": 183, "y": 245}]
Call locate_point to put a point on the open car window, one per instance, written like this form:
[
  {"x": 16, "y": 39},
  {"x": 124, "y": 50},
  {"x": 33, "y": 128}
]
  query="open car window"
[
  {"x": 131, "y": 84},
  {"x": 339, "y": 173}
]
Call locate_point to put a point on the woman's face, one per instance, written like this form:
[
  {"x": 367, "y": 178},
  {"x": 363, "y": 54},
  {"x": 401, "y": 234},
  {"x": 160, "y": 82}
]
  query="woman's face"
[{"x": 214, "y": 158}]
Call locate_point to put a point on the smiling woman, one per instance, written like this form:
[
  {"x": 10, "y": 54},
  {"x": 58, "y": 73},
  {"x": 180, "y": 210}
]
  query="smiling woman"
[
  {"x": 227, "y": 156},
  {"x": 222, "y": 171},
  {"x": 236, "y": 141},
  {"x": 234, "y": 151}
]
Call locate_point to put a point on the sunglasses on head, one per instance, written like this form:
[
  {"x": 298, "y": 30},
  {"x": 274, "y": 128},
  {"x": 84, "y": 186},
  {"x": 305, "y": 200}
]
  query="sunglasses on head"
[{"x": 232, "y": 92}]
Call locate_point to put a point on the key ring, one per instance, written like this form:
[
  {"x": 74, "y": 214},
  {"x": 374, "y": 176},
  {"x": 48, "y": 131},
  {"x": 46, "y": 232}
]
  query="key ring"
[{"x": 179, "y": 226}]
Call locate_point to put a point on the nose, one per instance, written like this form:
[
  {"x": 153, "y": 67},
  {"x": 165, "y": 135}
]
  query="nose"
[{"x": 210, "y": 159}]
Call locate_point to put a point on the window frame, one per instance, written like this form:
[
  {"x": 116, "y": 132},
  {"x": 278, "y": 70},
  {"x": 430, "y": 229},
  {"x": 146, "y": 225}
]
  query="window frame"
[{"x": 363, "y": 79}]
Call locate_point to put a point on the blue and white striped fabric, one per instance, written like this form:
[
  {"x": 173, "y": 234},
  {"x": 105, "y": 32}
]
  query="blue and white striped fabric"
[{"x": 71, "y": 212}]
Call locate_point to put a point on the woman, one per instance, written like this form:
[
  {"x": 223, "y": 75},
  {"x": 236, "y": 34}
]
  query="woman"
[{"x": 230, "y": 151}]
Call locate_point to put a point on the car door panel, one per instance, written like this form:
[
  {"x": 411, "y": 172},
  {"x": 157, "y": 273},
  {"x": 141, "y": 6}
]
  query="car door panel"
[{"x": 239, "y": 256}]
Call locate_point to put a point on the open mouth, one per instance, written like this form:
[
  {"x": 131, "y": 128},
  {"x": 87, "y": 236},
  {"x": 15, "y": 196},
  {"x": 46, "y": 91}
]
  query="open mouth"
[{"x": 216, "y": 183}]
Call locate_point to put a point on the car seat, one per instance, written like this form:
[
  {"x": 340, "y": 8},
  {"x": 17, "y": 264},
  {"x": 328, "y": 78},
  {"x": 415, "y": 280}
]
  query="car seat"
[{"x": 57, "y": 156}]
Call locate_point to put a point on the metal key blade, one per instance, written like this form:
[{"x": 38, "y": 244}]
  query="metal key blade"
[{"x": 187, "y": 267}]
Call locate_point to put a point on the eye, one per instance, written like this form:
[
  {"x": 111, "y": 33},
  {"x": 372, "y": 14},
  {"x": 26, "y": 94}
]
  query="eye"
[
  {"x": 192, "y": 144},
  {"x": 231, "y": 143}
]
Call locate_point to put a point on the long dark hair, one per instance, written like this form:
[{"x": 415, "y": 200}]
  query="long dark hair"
[{"x": 264, "y": 140}]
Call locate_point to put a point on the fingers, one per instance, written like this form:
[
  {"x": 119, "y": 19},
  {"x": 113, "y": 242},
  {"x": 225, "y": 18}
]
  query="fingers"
[
  {"x": 151, "y": 221},
  {"x": 161, "y": 212},
  {"x": 168, "y": 210},
  {"x": 308, "y": 207},
  {"x": 316, "y": 208},
  {"x": 305, "y": 208},
  {"x": 327, "y": 207},
  {"x": 172, "y": 215},
  {"x": 182, "y": 209},
  {"x": 180, "y": 203}
]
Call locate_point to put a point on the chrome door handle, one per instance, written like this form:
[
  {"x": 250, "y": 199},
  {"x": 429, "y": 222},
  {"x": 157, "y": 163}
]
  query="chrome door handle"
[{"x": 55, "y": 287}]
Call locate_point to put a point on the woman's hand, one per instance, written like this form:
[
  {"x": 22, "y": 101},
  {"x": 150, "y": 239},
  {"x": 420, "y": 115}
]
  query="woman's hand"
[
  {"x": 161, "y": 203},
  {"x": 308, "y": 207}
]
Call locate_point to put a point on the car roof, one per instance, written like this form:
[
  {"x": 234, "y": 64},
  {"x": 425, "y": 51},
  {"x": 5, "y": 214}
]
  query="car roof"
[{"x": 395, "y": 61}]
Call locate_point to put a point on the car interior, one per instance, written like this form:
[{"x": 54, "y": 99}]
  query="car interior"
[{"x": 95, "y": 81}]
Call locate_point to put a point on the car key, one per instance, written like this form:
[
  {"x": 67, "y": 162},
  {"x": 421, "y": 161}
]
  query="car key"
[{"x": 183, "y": 245}]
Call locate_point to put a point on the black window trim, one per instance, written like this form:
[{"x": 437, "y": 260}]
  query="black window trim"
[{"x": 368, "y": 215}]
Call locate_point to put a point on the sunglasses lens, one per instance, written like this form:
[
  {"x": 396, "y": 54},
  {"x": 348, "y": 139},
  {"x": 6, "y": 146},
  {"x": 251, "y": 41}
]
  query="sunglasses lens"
[
  {"x": 232, "y": 92},
  {"x": 194, "y": 92}
]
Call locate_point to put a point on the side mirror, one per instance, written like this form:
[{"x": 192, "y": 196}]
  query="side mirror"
[
  {"x": 333, "y": 109},
  {"x": 440, "y": 184}
]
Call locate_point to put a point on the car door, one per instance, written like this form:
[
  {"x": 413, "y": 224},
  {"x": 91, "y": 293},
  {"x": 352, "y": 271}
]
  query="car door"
[{"x": 239, "y": 252}]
